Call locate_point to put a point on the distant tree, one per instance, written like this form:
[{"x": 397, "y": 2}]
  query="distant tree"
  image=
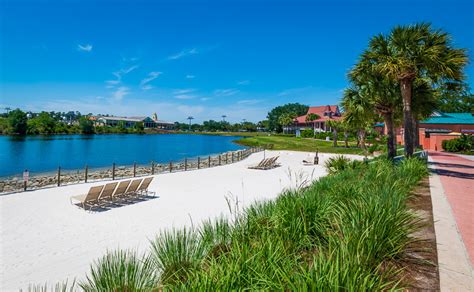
[
  {"x": 139, "y": 127},
  {"x": 286, "y": 119},
  {"x": 121, "y": 127},
  {"x": 336, "y": 126},
  {"x": 44, "y": 123},
  {"x": 86, "y": 125},
  {"x": 455, "y": 97},
  {"x": 263, "y": 125},
  {"x": 17, "y": 122},
  {"x": 311, "y": 118},
  {"x": 274, "y": 115}
]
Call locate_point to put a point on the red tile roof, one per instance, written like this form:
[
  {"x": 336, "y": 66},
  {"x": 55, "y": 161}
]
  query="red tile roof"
[{"x": 320, "y": 110}]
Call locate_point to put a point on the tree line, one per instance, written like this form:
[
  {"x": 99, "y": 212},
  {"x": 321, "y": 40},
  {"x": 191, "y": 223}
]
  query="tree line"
[{"x": 17, "y": 122}]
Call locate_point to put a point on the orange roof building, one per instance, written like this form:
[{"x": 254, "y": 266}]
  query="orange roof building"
[{"x": 325, "y": 113}]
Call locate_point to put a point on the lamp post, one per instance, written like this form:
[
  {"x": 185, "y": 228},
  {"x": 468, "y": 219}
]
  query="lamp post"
[{"x": 190, "y": 119}]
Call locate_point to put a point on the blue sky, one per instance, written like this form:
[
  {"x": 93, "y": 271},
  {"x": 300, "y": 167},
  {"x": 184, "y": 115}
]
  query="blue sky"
[{"x": 199, "y": 58}]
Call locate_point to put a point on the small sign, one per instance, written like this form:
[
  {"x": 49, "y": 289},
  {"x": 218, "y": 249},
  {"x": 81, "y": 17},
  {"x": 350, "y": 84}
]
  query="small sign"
[{"x": 26, "y": 175}]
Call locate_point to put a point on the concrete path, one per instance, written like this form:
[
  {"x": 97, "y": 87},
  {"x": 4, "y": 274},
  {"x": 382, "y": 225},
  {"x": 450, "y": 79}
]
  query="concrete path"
[{"x": 452, "y": 191}]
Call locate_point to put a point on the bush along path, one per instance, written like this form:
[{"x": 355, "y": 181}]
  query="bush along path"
[{"x": 352, "y": 230}]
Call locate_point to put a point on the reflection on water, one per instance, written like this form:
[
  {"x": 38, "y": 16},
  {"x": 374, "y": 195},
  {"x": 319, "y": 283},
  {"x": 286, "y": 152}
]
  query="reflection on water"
[{"x": 46, "y": 153}]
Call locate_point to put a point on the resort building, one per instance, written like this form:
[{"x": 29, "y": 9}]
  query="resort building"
[
  {"x": 326, "y": 113},
  {"x": 130, "y": 122},
  {"x": 441, "y": 126}
]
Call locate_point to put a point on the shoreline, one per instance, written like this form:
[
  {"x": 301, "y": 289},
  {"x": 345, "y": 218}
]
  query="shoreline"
[{"x": 15, "y": 184}]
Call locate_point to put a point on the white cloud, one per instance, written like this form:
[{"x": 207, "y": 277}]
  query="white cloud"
[
  {"x": 243, "y": 82},
  {"x": 226, "y": 92},
  {"x": 84, "y": 48},
  {"x": 119, "y": 74},
  {"x": 183, "y": 53},
  {"x": 184, "y": 96},
  {"x": 204, "y": 98},
  {"x": 120, "y": 93},
  {"x": 183, "y": 91},
  {"x": 151, "y": 76},
  {"x": 249, "y": 101},
  {"x": 189, "y": 76}
]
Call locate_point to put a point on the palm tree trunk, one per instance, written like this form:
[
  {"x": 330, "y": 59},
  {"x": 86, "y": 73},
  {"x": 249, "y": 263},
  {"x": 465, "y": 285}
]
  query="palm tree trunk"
[
  {"x": 362, "y": 135},
  {"x": 405, "y": 87},
  {"x": 334, "y": 136},
  {"x": 391, "y": 143},
  {"x": 416, "y": 136},
  {"x": 346, "y": 138}
]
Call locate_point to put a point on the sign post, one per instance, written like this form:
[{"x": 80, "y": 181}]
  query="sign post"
[{"x": 26, "y": 177}]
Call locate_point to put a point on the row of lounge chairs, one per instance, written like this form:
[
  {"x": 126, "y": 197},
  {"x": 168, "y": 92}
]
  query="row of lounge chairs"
[
  {"x": 266, "y": 163},
  {"x": 114, "y": 192}
]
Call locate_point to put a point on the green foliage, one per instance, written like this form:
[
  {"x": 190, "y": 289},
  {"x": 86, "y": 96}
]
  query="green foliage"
[
  {"x": 86, "y": 125},
  {"x": 177, "y": 253},
  {"x": 455, "y": 97},
  {"x": 340, "y": 163},
  {"x": 58, "y": 287},
  {"x": 4, "y": 127},
  {"x": 274, "y": 115},
  {"x": 374, "y": 147},
  {"x": 463, "y": 143},
  {"x": 312, "y": 117},
  {"x": 17, "y": 122},
  {"x": 42, "y": 124},
  {"x": 307, "y": 133},
  {"x": 122, "y": 271}
]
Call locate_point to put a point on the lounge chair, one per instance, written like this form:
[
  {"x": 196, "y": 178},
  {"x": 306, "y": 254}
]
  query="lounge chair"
[
  {"x": 260, "y": 164},
  {"x": 143, "y": 189},
  {"x": 108, "y": 192},
  {"x": 133, "y": 187},
  {"x": 268, "y": 164},
  {"x": 91, "y": 198},
  {"x": 121, "y": 189}
]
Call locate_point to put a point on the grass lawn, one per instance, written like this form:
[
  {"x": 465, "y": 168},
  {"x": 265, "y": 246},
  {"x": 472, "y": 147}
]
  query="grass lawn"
[
  {"x": 242, "y": 134},
  {"x": 298, "y": 144}
]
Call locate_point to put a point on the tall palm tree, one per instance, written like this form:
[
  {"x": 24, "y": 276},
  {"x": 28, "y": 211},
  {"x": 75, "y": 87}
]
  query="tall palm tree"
[{"x": 411, "y": 52}]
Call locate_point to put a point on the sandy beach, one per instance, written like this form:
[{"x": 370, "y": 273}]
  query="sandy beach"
[{"x": 43, "y": 238}]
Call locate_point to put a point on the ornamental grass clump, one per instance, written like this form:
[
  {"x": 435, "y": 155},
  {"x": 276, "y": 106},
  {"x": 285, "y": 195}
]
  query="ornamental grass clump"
[{"x": 122, "y": 271}]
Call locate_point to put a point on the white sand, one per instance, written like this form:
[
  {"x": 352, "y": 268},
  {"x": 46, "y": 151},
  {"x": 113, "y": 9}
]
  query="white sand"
[{"x": 46, "y": 239}]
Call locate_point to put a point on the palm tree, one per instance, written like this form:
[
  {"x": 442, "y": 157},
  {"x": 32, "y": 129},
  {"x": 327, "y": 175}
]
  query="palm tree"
[
  {"x": 286, "y": 119},
  {"x": 372, "y": 93},
  {"x": 411, "y": 52},
  {"x": 311, "y": 118},
  {"x": 336, "y": 126},
  {"x": 357, "y": 112}
]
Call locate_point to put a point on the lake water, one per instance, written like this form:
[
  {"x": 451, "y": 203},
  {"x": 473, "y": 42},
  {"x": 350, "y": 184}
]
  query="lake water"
[{"x": 45, "y": 153}]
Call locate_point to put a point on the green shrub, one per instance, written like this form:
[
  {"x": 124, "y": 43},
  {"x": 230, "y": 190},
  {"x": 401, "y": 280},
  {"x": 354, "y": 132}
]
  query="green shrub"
[
  {"x": 374, "y": 147},
  {"x": 340, "y": 163},
  {"x": 463, "y": 143},
  {"x": 307, "y": 133},
  {"x": 322, "y": 135}
]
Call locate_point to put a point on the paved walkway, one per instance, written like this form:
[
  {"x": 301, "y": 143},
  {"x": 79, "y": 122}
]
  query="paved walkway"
[
  {"x": 452, "y": 191},
  {"x": 457, "y": 177}
]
